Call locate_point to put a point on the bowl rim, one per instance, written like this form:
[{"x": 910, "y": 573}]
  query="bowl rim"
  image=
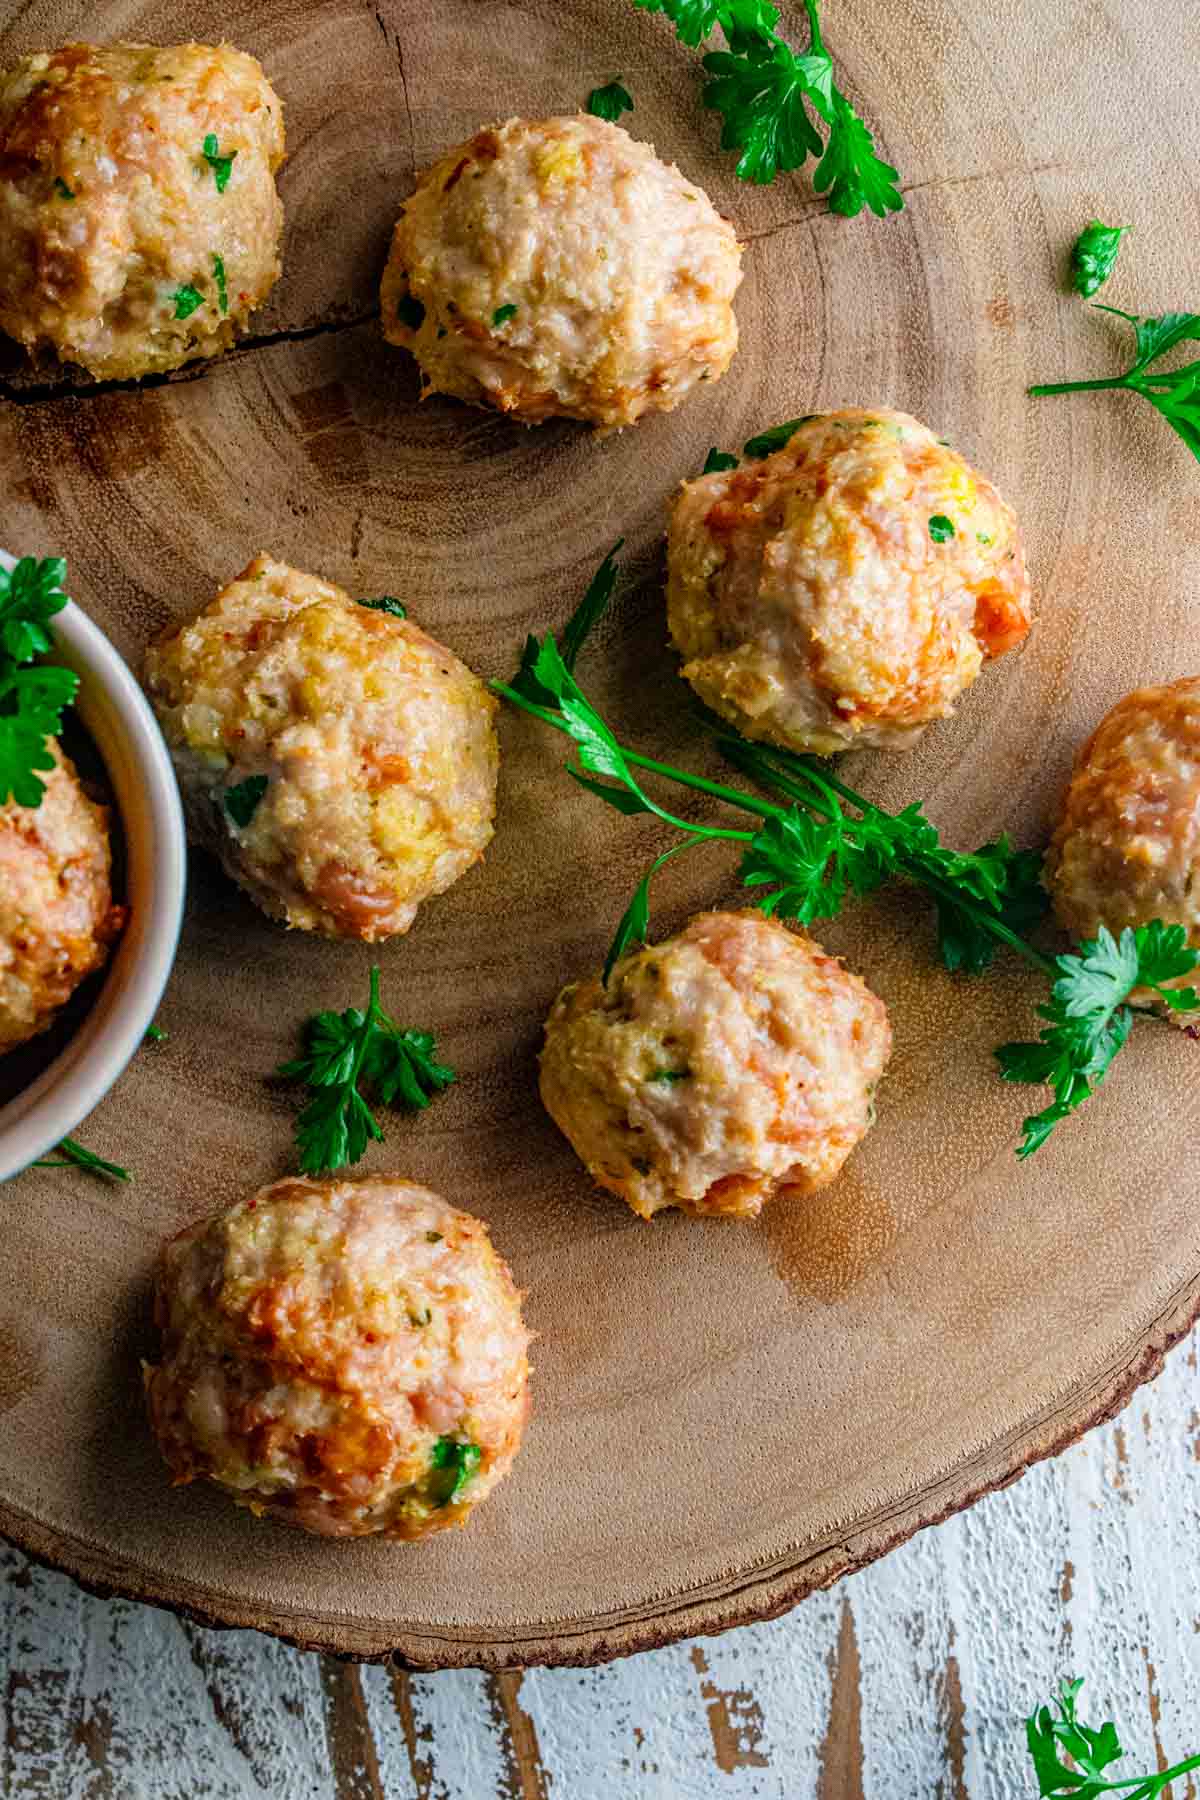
[{"x": 65, "y": 1092}]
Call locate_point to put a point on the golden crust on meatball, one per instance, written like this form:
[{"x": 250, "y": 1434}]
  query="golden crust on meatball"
[
  {"x": 139, "y": 220},
  {"x": 58, "y": 921},
  {"x": 1127, "y": 846},
  {"x": 845, "y": 590},
  {"x": 555, "y": 268},
  {"x": 340, "y": 763},
  {"x": 716, "y": 1070},
  {"x": 346, "y": 1355}
]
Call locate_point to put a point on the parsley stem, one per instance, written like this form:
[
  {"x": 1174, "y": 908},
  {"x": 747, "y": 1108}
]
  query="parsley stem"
[
  {"x": 746, "y": 802},
  {"x": 1079, "y": 387}
]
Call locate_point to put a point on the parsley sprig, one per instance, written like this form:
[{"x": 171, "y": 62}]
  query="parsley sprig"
[
  {"x": 1091, "y": 1751},
  {"x": 806, "y": 858},
  {"x": 610, "y": 101},
  {"x": 346, "y": 1049},
  {"x": 1089, "y": 1016},
  {"x": 32, "y": 700},
  {"x": 1171, "y": 392},
  {"x": 773, "y": 101}
]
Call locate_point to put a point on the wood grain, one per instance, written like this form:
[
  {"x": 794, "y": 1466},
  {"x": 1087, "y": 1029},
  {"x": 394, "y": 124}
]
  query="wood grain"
[{"x": 693, "y": 1462}]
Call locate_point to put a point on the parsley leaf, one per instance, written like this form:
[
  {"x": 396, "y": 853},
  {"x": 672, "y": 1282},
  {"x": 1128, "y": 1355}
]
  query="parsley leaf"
[
  {"x": 30, "y": 595},
  {"x": 941, "y": 529},
  {"x": 218, "y": 263},
  {"x": 717, "y": 461},
  {"x": 1094, "y": 256},
  {"x": 765, "y": 93},
  {"x": 1089, "y": 1018},
  {"x": 154, "y": 1034},
  {"x": 610, "y": 102},
  {"x": 241, "y": 801},
  {"x": 221, "y": 166},
  {"x": 72, "y": 1155},
  {"x": 1174, "y": 393},
  {"x": 187, "y": 299},
  {"x": 457, "y": 1464},
  {"x": 340, "y": 1051},
  {"x": 61, "y": 189},
  {"x": 32, "y": 700},
  {"x": 767, "y": 442},
  {"x": 1091, "y": 1751},
  {"x": 592, "y": 607},
  {"x": 502, "y": 315},
  {"x": 387, "y": 603}
]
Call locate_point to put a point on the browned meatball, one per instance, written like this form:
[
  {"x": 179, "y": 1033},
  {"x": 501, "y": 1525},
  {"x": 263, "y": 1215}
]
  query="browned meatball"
[
  {"x": 139, "y": 222},
  {"x": 1127, "y": 846},
  {"x": 340, "y": 763},
  {"x": 555, "y": 268},
  {"x": 57, "y": 917},
  {"x": 347, "y": 1355},
  {"x": 845, "y": 590},
  {"x": 717, "y": 1069}
]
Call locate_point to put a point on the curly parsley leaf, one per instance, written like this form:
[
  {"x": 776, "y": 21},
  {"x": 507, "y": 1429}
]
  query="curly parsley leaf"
[
  {"x": 610, "y": 101},
  {"x": 1094, "y": 256},
  {"x": 342, "y": 1050},
  {"x": 1091, "y": 1751},
  {"x": 1089, "y": 1017},
  {"x": 773, "y": 101},
  {"x": 456, "y": 1463},
  {"x": 1174, "y": 393},
  {"x": 221, "y": 166},
  {"x": 241, "y": 801}
]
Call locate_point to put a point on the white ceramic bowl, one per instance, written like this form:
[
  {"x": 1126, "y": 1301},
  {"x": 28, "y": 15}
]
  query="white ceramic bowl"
[{"x": 119, "y": 721}]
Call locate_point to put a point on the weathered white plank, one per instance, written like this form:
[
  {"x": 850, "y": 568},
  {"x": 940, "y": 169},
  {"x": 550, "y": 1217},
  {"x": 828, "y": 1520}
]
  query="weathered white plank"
[{"x": 910, "y": 1680}]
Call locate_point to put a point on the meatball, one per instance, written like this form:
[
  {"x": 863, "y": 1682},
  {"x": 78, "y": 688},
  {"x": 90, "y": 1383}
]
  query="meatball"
[
  {"x": 1127, "y": 846},
  {"x": 345, "y": 1355},
  {"x": 340, "y": 764},
  {"x": 846, "y": 589},
  {"x": 718, "y": 1069},
  {"x": 555, "y": 268},
  {"x": 57, "y": 917},
  {"x": 139, "y": 222}
]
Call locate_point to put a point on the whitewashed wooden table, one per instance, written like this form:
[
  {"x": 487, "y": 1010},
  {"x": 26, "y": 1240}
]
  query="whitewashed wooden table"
[{"x": 908, "y": 1681}]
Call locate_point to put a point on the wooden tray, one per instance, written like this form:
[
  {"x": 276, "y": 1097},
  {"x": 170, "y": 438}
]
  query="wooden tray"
[{"x": 726, "y": 1416}]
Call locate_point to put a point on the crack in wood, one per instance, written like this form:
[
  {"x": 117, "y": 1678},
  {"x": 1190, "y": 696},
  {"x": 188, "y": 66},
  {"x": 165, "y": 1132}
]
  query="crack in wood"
[{"x": 17, "y": 393}]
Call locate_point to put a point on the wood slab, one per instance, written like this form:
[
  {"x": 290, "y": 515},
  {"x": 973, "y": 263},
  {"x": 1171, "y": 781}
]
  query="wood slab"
[{"x": 726, "y": 1416}]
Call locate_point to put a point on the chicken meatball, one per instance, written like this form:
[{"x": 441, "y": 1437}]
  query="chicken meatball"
[
  {"x": 1127, "y": 846},
  {"x": 58, "y": 921},
  {"x": 345, "y": 1355},
  {"x": 718, "y": 1069},
  {"x": 340, "y": 764},
  {"x": 845, "y": 589},
  {"x": 555, "y": 268},
  {"x": 139, "y": 222}
]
